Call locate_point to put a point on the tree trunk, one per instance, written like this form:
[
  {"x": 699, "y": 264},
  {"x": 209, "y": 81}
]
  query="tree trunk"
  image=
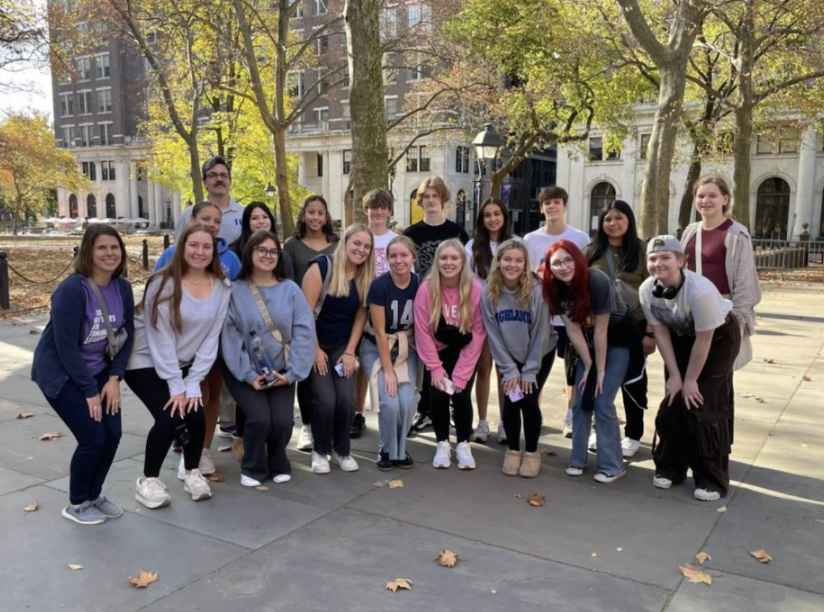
[
  {"x": 370, "y": 154},
  {"x": 743, "y": 117},
  {"x": 685, "y": 211},
  {"x": 194, "y": 169},
  {"x": 282, "y": 182}
]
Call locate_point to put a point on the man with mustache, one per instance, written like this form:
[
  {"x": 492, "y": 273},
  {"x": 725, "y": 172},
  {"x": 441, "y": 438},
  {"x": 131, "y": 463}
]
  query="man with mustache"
[{"x": 217, "y": 179}]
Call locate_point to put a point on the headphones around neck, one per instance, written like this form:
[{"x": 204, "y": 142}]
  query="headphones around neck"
[{"x": 660, "y": 290}]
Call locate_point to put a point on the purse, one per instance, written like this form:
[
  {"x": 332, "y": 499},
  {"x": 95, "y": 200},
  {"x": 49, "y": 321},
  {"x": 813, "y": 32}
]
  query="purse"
[
  {"x": 628, "y": 293},
  {"x": 115, "y": 340},
  {"x": 264, "y": 312}
]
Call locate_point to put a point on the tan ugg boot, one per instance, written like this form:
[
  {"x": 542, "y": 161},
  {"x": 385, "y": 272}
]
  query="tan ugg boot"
[
  {"x": 512, "y": 461},
  {"x": 530, "y": 466},
  {"x": 238, "y": 449}
]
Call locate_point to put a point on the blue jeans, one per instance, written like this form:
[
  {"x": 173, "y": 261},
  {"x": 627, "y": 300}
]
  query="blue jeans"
[
  {"x": 396, "y": 412},
  {"x": 609, "y": 458},
  {"x": 97, "y": 442}
]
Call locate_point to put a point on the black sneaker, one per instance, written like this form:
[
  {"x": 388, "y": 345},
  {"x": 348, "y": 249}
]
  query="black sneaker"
[
  {"x": 358, "y": 425},
  {"x": 384, "y": 463},
  {"x": 405, "y": 464},
  {"x": 421, "y": 422}
]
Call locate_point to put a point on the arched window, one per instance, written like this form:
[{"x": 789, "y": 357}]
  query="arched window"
[
  {"x": 73, "y": 208},
  {"x": 772, "y": 209},
  {"x": 111, "y": 209},
  {"x": 91, "y": 205},
  {"x": 602, "y": 195}
]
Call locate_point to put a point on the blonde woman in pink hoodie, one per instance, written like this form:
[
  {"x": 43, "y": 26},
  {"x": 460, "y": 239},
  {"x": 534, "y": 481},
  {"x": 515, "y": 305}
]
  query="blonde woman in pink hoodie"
[{"x": 449, "y": 334}]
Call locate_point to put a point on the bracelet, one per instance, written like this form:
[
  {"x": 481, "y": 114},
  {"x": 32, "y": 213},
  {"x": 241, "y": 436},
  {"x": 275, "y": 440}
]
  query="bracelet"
[{"x": 350, "y": 354}]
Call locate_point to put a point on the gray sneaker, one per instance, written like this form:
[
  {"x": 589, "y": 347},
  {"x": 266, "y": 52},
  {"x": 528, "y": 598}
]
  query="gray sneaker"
[
  {"x": 107, "y": 507},
  {"x": 84, "y": 514}
]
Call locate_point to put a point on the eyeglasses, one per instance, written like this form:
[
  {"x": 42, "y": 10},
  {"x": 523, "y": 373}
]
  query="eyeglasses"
[
  {"x": 220, "y": 175},
  {"x": 562, "y": 263},
  {"x": 264, "y": 252}
]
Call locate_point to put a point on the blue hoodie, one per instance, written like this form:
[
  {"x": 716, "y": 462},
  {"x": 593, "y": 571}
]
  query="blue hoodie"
[{"x": 228, "y": 260}]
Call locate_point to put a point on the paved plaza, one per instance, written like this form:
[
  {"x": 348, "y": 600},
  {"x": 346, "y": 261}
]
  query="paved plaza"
[{"x": 333, "y": 542}]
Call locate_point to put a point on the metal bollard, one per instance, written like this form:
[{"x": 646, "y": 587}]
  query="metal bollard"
[
  {"x": 4, "y": 281},
  {"x": 166, "y": 241},
  {"x": 145, "y": 254}
]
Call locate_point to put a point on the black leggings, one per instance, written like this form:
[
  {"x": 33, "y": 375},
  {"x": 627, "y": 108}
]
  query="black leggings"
[
  {"x": 532, "y": 411},
  {"x": 153, "y": 391},
  {"x": 461, "y": 403}
]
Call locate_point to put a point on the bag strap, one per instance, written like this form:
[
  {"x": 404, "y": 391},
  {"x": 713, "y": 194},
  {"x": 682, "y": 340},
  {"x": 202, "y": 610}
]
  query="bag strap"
[
  {"x": 324, "y": 288},
  {"x": 699, "y": 255},
  {"x": 611, "y": 264},
  {"x": 105, "y": 311},
  {"x": 264, "y": 312}
]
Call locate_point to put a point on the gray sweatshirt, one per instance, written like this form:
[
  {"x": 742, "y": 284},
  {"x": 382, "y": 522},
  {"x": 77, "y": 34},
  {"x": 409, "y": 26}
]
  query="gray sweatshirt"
[
  {"x": 291, "y": 316},
  {"x": 518, "y": 335},
  {"x": 165, "y": 349}
]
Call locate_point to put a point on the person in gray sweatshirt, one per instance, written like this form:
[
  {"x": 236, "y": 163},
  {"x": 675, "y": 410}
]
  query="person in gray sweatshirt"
[
  {"x": 522, "y": 342},
  {"x": 268, "y": 344}
]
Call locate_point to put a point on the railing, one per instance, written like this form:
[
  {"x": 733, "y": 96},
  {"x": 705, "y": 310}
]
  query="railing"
[{"x": 783, "y": 255}]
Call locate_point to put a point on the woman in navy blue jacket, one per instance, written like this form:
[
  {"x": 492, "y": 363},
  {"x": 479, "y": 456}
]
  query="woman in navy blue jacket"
[{"x": 74, "y": 370}]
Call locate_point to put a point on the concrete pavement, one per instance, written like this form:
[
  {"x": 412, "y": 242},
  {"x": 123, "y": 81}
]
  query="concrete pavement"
[{"x": 335, "y": 541}]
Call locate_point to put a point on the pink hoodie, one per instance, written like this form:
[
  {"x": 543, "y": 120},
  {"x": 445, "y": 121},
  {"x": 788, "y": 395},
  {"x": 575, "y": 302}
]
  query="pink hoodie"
[{"x": 428, "y": 347}]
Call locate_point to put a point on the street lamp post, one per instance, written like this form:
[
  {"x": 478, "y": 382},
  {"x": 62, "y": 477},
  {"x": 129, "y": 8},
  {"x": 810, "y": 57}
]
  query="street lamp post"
[{"x": 487, "y": 144}]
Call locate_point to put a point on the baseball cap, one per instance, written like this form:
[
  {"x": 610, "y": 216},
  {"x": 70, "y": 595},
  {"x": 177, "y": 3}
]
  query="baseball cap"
[{"x": 664, "y": 243}]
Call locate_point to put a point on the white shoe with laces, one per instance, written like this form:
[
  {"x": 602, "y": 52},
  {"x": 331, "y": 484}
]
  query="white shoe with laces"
[
  {"x": 629, "y": 447},
  {"x": 706, "y": 495},
  {"x": 501, "y": 433},
  {"x": 206, "y": 465},
  {"x": 248, "y": 481},
  {"x": 443, "y": 455},
  {"x": 196, "y": 486},
  {"x": 659, "y": 482},
  {"x": 465, "y": 459},
  {"x": 347, "y": 463},
  {"x": 481, "y": 432},
  {"x": 320, "y": 464},
  {"x": 305, "y": 442},
  {"x": 151, "y": 492},
  {"x": 281, "y": 478}
]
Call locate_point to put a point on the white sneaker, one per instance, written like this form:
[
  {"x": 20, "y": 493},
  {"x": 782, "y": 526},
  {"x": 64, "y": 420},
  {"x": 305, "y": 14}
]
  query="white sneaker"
[
  {"x": 501, "y": 433},
  {"x": 659, "y": 482},
  {"x": 465, "y": 459},
  {"x": 152, "y": 493},
  {"x": 705, "y": 495},
  {"x": 481, "y": 432},
  {"x": 606, "y": 478},
  {"x": 281, "y": 478},
  {"x": 248, "y": 481},
  {"x": 347, "y": 464},
  {"x": 629, "y": 447},
  {"x": 305, "y": 442},
  {"x": 181, "y": 469},
  {"x": 593, "y": 442},
  {"x": 567, "y": 431},
  {"x": 443, "y": 455},
  {"x": 320, "y": 464},
  {"x": 196, "y": 486},
  {"x": 574, "y": 471},
  {"x": 206, "y": 466}
]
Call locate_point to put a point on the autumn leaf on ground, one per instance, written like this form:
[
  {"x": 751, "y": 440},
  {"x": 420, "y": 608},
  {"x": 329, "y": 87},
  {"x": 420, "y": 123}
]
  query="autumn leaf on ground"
[
  {"x": 703, "y": 557},
  {"x": 144, "y": 580},
  {"x": 74, "y": 567},
  {"x": 51, "y": 436},
  {"x": 760, "y": 400},
  {"x": 25, "y": 415},
  {"x": 806, "y": 378},
  {"x": 547, "y": 452},
  {"x": 262, "y": 488},
  {"x": 447, "y": 558},
  {"x": 695, "y": 575},
  {"x": 769, "y": 361},
  {"x": 762, "y": 555},
  {"x": 722, "y": 509},
  {"x": 34, "y": 332},
  {"x": 217, "y": 478},
  {"x": 224, "y": 449},
  {"x": 31, "y": 507},
  {"x": 399, "y": 583},
  {"x": 536, "y": 500},
  {"x": 745, "y": 395},
  {"x": 395, "y": 483}
]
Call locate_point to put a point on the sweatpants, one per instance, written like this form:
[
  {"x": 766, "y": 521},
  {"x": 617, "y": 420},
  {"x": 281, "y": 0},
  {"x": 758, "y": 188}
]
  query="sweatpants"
[
  {"x": 439, "y": 401},
  {"x": 153, "y": 391},
  {"x": 332, "y": 404},
  {"x": 634, "y": 389},
  {"x": 531, "y": 409}
]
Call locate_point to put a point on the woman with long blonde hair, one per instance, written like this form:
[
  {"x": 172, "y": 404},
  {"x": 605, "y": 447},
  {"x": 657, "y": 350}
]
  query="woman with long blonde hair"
[
  {"x": 336, "y": 289},
  {"x": 450, "y": 335},
  {"x": 522, "y": 343}
]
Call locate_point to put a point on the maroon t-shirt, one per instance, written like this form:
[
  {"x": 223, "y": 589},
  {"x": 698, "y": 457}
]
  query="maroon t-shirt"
[{"x": 714, "y": 256}]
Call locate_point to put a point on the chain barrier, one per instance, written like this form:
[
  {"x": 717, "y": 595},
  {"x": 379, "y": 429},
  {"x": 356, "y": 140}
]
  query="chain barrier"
[{"x": 45, "y": 282}]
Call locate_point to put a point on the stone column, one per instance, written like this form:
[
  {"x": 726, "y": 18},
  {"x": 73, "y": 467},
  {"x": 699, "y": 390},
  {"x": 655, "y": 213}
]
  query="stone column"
[
  {"x": 805, "y": 183},
  {"x": 158, "y": 204},
  {"x": 133, "y": 207},
  {"x": 150, "y": 205}
]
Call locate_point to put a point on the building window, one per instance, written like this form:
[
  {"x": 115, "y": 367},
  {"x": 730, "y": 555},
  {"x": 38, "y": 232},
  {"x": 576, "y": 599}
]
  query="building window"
[
  {"x": 322, "y": 82},
  {"x": 68, "y": 136},
  {"x": 347, "y": 161},
  {"x": 788, "y": 139},
  {"x": 322, "y": 43},
  {"x": 104, "y": 100},
  {"x": 420, "y": 71},
  {"x": 319, "y": 7},
  {"x": 107, "y": 172},
  {"x": 597, "y": 152},
  {"x": 90, "y": 172},
  {"x": 73, "y": 208},
  {"x": 91, "y": 204},
  {"x": 84, "y": 69},
  {"x": 425, "y": 165},
  {"x": 772, "y": 209},
  {"x": 320, "y": 164},
  {"x": 84, "y": 100},
  {"x": 417, "y": 159},
  {"x": 345, "y": 82},
  {"x": 296, "y": 85},
  {"x": 111, "y": 209},
  {"x": 412, "y": 159},
  {"x": 390, "y": 106},
  {"x": 413, "y": 15},
  {"x": 389, "y": 23},
  {"x": 462, "y": 157},
  {"x": 321, "y": 114},
  {"x": 86, "y": 135},
  {"x": 105, "y": 133},
  {"x": 102, "y": 66},
  {"x": 644, "y": 145},
  {"x": 603, "y": 194},
  {"x": 346, "y": 115},
  {"x": 298, "y": 14},
  {"x": 66, "y": 104}
]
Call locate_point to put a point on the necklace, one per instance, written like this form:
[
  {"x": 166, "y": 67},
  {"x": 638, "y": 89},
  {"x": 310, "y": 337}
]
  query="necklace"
[{"x": 196, "y": 284}]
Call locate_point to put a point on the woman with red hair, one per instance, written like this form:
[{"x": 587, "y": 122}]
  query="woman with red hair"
[{"x": 601, "y": 330}]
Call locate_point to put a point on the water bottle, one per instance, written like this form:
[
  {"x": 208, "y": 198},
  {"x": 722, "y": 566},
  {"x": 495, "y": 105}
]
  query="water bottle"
[{"x": 263, "y": 359}]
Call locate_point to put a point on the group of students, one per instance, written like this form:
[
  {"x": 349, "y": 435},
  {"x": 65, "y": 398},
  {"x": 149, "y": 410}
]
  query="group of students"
[{"x": 419, "y": 319}]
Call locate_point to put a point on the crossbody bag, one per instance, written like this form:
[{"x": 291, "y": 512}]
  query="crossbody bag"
[
  {"x": 264, "y": 312},
  {"x": 115, "y": 340}
]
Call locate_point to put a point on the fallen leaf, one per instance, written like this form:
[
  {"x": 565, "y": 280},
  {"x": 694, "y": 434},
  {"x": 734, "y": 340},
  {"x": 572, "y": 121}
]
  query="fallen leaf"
[
  {"x": 695, "y": 575},
  {"x": 31, "y": 507},
  {"x": 536, "y": 500},
  {"x": 493, "y": 591},
  {"x": 224, "y": 449},
  {"x": 761, "y": 555},
  {"x": 760, "y": 400},
  {"x": 396, "y": 483},
  {"x": 806, "y": 378},
  {"x": 769, "y": 361},
  {"x": 547, "y": 452},
  {"x": 75, "y": 567},
  {"x": 380, "y": 483},
  {"x": 619, "y": 549},
  {"x": 593, "y": 555},
  {"x": 51, "y": 436},
  {"x": 217, "y": 478},
  {"x": 745, "y": 395},
  {"x": 262, "y": 488},
  {"x": 399, "y": 583},
  {"x": 722, "y": 509},
  {"x": 703, "y": 557},
  {"x": 447, "y": 558},
  {"x": 25, "y": 415},
  {"x": 144, "y": 580},
  {"x": 517, "y": 496},
  {"x": 34, "y": 332}
]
